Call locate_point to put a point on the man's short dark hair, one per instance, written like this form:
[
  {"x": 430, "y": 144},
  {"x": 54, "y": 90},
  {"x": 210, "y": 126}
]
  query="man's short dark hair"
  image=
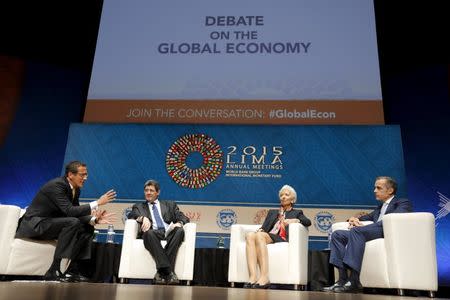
[
  {"x": 390, "y": 182},
  {"x": 73, "y": 166},
  {"x": 152, "y": 182}
]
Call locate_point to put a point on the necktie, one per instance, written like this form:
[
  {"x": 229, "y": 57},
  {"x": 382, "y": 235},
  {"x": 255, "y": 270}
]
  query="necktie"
[
  {"x": 159, "y": 222},
  {"x": 73, "y": 194},
  {"x": 382, "y": 211}
]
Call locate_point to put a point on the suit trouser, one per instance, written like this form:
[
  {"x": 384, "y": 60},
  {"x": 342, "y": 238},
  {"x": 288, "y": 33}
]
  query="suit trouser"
[
  {"x": 347, "y": 246},
  {"x": 74, "y": 238},
  {"x": 164, "y": 257}
]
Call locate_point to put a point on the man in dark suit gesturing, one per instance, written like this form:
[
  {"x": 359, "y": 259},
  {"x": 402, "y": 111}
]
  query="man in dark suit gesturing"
[
  {"x": 156, "y": 219},
  {"x": 347, "y": 246},
  {"x": 55, "y": 213}
]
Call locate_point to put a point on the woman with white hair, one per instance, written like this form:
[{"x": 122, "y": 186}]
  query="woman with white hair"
[{"x": 275, "y": 229}]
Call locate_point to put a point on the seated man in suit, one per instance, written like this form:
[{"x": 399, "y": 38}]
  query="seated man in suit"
[
  {"x": 55, "y": 213},
  {"x": 347, "y": 247},
  {"x": 156, "y": 217}
]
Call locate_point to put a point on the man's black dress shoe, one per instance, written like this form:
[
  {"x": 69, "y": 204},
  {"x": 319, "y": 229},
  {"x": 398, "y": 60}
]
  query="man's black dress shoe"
[
  {"x": 75, "y": 277},
  {"x": 159, "y": 279},
  {"x": 263, "y": 286},
  {"x": 55, "y": 276},
  {"x": 172, "y": 279},
  {"x": 349, "y": 287},
  {"x": 332, "y": 287}
]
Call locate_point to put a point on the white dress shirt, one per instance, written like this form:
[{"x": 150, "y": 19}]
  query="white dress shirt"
[{"x": 383, "y": 208}]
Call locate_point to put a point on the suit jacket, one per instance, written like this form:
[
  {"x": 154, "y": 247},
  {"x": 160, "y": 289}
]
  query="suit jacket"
[
  {"x": 54, "y": 200},
  {"x": 169, "y": 211},
  {"x": 272, "y": 218},
  {"x": 397, "y": 205}
]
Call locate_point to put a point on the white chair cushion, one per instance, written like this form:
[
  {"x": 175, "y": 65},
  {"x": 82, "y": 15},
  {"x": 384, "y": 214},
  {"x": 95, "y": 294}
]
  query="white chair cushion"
[{"x": 31, "y": 257}]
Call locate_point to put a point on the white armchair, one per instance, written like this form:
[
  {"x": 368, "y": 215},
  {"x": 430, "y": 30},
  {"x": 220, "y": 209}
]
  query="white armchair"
[
  {"x": 288, "y": 262},
  {"x": 136, "y": 262},
  {"x": 21, "y": 256},
  {"x": 405, "y": 258}
]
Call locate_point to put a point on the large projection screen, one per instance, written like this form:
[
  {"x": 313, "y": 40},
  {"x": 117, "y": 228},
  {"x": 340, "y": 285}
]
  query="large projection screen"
[{"x": 245, "y": 62}]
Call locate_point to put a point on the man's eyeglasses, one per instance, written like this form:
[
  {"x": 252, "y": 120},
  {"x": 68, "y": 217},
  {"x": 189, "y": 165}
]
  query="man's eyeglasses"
[{"x": 83, "y": 175}]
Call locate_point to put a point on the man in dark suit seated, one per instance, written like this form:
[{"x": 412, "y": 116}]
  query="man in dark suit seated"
[
  {"x": 347, "y": 246},
  {"x": 55, "y": 213},
  {"x": 155, "y": 218}
]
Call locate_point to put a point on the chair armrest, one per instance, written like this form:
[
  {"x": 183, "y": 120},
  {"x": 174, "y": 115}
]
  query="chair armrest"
[
  {"x": 339, "y": 226},
  {"x": 411, "y": 247},
  {"x": 9, "y": 218},
  {"x": 298, "y": 249},
  {"x": 238, "y": 232},
  {"x": 407, "y": 232},
  {"x": 344, "y": 225},
  {"x": 190, "y": 231},
  {"x": 130, "y": 231},
  {"x": 298, "y": 235},
  {"x": 129, "y": 236},
  {"x": 237, "y": 238}
]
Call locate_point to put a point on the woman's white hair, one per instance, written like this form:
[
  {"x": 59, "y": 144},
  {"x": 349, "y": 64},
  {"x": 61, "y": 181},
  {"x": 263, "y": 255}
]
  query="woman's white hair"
[{"x": 290, "y": 189}]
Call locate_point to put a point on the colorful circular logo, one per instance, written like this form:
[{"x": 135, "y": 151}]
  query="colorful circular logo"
[
  {"x": 194, "y": 161},
  {"x": 323, "y": 221},
  {"x": 225, "y": 218}
]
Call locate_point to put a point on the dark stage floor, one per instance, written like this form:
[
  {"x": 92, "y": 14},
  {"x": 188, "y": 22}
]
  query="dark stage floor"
[{"x": 22, "y": 290}]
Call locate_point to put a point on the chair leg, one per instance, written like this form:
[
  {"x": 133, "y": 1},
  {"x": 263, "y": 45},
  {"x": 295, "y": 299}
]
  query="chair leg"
[
  {"x": 431, "y": 294},
  {"x": 232, "y": 284},
  {"x": 188, "y": 282},
  {"x": 296, "y": 287},
  {"x": 123, "y": 280},
  {"x": 401, "y": 292}
]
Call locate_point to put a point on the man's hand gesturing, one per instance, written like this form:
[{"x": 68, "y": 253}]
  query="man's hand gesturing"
[{"x": 107, "y": 197}]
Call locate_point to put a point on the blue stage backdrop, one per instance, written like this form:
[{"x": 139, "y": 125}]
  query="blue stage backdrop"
[
  {"x": 222, "y": 175},
  {"x": 328, "y": 165}
]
